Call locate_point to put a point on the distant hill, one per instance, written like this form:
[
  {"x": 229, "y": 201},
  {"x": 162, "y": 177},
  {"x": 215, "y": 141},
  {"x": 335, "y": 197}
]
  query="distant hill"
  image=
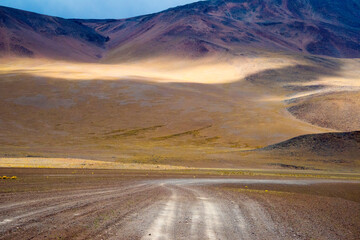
[
  {"x": 28, "y": 34},
  {"x": 342, "y": 145},
  {"x": 319, "y": 27}
]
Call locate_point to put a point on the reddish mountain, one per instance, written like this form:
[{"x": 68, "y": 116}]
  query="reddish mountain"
[
  {"x": 29, "y": 34},
  {"x": 318, "y": 27}
]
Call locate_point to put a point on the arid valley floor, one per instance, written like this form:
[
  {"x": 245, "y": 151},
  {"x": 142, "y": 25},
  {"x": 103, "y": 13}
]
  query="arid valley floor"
[
  {"x": 220, "y": 119},
  {"x": 200, "y": 154},
  {"x": 110, "y": 204}
]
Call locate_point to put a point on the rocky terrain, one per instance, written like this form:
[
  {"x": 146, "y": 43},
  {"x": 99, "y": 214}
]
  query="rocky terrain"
[
  {"x": 341, "y": 145},
  {"x": 83, "y": 204},
  {"x": 238, "y": 27},
  {"x": 220, "y": 119},
  {"x": 218, "y": 78},
  {"x": 200, "y": 29},
  {"x": 27, "y": 34}
]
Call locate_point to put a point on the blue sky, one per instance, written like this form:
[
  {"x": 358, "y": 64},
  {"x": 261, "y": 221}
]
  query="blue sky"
[{"x": 94, "y": 8}]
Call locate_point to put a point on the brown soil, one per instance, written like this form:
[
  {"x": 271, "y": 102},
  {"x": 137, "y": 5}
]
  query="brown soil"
[
  {"x": 340, "y": 111},
  {"x": 113, "y": 204},
  {"x": 342, "y": 145}
]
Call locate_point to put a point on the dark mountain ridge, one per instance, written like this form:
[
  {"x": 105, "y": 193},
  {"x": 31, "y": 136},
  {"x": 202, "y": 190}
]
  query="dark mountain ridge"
[{"x": 29, "y": 34}]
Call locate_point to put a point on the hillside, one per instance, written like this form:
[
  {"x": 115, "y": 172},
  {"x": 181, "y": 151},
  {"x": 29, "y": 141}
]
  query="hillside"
[
  {"x": 333, "y": 151},
  {"x": 27, "y": 34},
  {"x": 234, "y": 28},
  {"x": 328, "y": 28},
  {"x": 341, "y": 145},
  {"x": 201, "y": 85}
]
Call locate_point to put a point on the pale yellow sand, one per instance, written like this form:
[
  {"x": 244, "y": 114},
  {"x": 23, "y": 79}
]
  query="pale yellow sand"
[{"x": 78, "y": 163}]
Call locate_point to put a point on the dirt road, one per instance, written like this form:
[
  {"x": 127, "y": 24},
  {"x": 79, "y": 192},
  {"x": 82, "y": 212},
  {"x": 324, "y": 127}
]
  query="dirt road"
[{"x": 178, "y": 209}]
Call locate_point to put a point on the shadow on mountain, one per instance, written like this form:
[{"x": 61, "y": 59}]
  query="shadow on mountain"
[
  {"x": 342, "y": 148},
  {"x": 301, "y": 73}
]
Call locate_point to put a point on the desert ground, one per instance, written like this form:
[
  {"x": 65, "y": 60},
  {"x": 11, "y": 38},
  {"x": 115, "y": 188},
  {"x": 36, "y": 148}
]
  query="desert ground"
[
  {"x": 172, "y": 149},
  {"x": 220, "y": 119},
  {"x": 133, "y": 204},
  {"x": 187, "y": 113}
]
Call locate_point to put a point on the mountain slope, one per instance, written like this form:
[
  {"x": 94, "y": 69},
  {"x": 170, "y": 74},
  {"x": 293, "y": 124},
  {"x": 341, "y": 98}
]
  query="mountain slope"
[
  {"x": 322, "y": 27},
  {"x": 29, "y": 34},
  {"x": 313, "y": 151},
  {"x": 239, "y": 27},
  {"x": 325, "y": 144}
]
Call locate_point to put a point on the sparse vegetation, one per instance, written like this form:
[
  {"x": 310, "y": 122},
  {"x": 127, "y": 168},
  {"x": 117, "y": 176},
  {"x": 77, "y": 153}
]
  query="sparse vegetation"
[
  {"x": 258, "y": 191},
  {"x": 192, "y": 133},
  {"x": 6, "y": 178},
  {"x": 127, "y": 133},
  {"x": 231, "y": 124}
]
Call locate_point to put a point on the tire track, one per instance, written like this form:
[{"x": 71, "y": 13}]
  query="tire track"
[
  {"x": 156, "y": 209},
  {"x": 73, "y": 202},
  {"x": 210, "y": 217}
]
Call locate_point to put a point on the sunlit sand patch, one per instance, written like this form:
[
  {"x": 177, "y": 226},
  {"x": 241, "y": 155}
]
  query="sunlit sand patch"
[
  {"x": 78, "y": 163},
  {"x": 323, "y": 91},
  {"x": 244, "y": 115},
  {"x": 207, "y": 71}
]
